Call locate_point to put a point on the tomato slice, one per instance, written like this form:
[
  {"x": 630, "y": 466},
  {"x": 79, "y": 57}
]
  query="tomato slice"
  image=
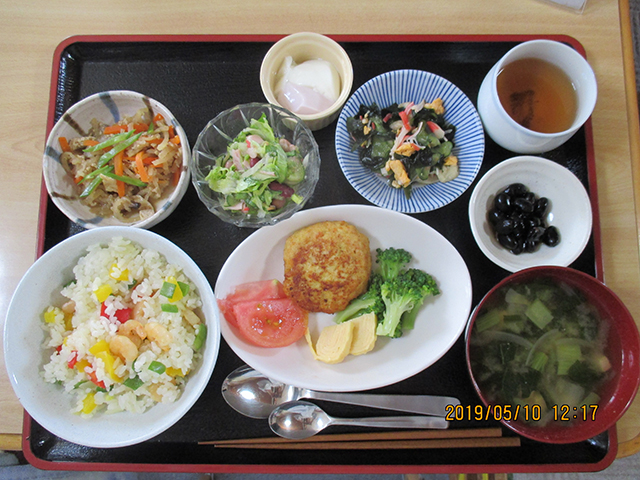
[
  {"x": 251, "y": 291},
  {"x": 272, "y": 322}
]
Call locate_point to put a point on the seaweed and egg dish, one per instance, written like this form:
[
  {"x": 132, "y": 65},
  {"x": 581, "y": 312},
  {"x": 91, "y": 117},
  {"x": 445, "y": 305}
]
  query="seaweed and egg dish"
[
  {"x": 408, "y": 143},
  {"x": 540, "y": 346}
]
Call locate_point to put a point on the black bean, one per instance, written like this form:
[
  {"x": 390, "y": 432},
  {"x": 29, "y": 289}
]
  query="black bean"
[
  {"x": 504, "y": 226},
  {"x": 531, "y": 245},
  {"x": 524, "y": 204},
  {"x": 503, "y": 202},
  {"x": 518, "y": 220},
  {"x": 551, "y": 236},
  {"x": 495, "y": 216},
  {"x": 518, "y": 249},
  {"x": 507, "y": 241},
  {"x": 516, "y": 189},
  {"x": 536, "y": 234},
  {"x": 541, "y": 207}
]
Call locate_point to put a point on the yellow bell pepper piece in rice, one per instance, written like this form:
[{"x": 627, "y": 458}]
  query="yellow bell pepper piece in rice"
[
  {"x": 117, "y": 274},
  {"x": 89, "y": 403},
  {"x": 82, "y": 364},
  {"x": 177, "y": 292},
  {"x": 51, "y": 314},
  {"x": 100, "y": 346},
  {"x": 103, "y": 292},
  {"x": 175, "y": 372},
  {"x": 101, "y": 350}
]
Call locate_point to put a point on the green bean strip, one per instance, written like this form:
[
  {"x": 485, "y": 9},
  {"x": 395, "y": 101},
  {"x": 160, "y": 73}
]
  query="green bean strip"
[
  {"x": 91, "y": 187},
  {"x": 95, "y": 173},
  {"x": 120, "y": 137},
  {"x": 104, "y": 159},
  {"x": 129, "y": 180}
]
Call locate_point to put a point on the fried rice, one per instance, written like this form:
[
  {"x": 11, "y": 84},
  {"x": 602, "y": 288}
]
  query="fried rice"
[{"x": 127, "y": 332}]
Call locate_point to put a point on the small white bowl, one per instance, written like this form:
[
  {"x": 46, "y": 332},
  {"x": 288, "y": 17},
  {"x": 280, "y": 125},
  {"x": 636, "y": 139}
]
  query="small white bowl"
[
  {"x": 569, "y": 211},
  {"x": 301, "y": 47},
  {"x": 24, "y": 354},
  {"x": 108, "y": 107}
]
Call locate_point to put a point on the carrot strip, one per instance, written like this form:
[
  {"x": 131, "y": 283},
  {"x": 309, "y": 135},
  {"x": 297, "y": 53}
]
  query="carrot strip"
[
  {"x": 158, "y": 117},
  {"x": 118, "y": 169},
  {"x": 90, "y": 143},
  {"x": 175, "y": 139},
  {"x": 172, "y": 131},
  {"x": 140, "y": 167},
  {"x": 111, "y": 129},
  {"x": 140, "y": 127},
  {"x": 154, "y": 141},
  {"x": 149, "y": 160},
  {"x": 64, "y": 144},
  {"x": 77, "y": 179},
  {"x": 176, "y": 175}
]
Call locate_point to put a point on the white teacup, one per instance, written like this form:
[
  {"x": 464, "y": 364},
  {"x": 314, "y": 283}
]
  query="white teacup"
[{"x": 509, "y": 134}]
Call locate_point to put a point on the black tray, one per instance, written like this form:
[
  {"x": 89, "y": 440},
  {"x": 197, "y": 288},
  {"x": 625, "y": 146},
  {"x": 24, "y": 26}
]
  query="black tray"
[{"x": 197, "y": 77}]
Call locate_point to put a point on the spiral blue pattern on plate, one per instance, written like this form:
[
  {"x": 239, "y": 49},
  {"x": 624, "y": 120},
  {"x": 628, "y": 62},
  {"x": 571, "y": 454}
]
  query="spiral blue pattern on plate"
[{"x": 403, "y": 86}]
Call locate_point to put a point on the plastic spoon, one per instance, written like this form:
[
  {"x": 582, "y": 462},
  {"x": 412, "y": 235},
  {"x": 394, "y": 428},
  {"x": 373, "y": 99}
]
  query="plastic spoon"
[
  {"x": 253, "y": 394},
  {"x": 299, "y": 420}
]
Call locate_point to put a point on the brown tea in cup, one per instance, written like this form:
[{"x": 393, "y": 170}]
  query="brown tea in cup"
[{"x": 538, "y": 95}]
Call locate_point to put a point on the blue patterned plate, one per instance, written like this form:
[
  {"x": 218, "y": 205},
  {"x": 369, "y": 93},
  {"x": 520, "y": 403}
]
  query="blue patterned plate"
[{"x": 413, "y": 85}]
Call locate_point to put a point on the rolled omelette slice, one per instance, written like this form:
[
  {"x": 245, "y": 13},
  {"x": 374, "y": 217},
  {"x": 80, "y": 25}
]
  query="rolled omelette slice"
[
  {"x": 364, "y": 333},
  {"x": 356, "y": 336}
]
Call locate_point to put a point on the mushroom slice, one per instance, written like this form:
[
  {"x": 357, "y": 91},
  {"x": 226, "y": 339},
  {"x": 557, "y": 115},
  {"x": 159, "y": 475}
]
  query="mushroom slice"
[{"x": 130, "y": 209}]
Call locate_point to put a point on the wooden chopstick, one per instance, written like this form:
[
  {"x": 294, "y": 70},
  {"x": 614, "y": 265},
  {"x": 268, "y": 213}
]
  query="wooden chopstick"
[
  {"x": 454, "y": 433},
  {"x": 476, "y": 442}
]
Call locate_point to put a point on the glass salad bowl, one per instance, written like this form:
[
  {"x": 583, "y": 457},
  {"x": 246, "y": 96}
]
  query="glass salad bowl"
[{"x": 255, "y": 164}]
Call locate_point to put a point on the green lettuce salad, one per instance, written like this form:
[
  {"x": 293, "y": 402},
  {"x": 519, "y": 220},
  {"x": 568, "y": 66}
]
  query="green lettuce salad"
[{"x": 258, "y": 173}]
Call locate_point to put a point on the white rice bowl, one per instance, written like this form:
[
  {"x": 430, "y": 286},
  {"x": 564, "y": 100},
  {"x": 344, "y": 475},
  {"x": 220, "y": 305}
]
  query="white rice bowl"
[{"x": 54, "y": 394}]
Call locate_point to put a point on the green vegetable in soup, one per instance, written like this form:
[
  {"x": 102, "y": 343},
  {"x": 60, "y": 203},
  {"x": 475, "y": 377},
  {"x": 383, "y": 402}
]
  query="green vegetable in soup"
[{"x": 540, "y": 343}]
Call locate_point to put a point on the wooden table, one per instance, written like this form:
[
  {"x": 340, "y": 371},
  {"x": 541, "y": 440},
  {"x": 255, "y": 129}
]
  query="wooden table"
[{"x": 30, "y": 32}]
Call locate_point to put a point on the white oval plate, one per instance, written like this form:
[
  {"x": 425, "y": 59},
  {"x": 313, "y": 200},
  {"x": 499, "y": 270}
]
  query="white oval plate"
[
  {"x": 439, "y": 323},
  {"x": 569, "y": 211},
  {"x": 403, "y": 86}
]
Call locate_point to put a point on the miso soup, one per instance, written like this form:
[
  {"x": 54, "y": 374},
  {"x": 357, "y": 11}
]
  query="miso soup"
[{"x": 541, "y": 346}]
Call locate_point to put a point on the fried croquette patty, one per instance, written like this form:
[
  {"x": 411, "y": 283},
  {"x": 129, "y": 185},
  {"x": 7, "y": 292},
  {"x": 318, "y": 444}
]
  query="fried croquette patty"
[{"x": 326, "y": 265}]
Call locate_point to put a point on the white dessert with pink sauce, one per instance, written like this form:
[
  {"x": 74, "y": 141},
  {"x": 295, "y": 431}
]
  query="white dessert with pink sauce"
[{"x": 309, "y": 87}]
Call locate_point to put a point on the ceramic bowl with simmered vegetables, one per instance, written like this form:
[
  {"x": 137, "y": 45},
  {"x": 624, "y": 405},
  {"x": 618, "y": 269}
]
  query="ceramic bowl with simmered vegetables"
[
  {"x": 117, "y": 158},
  {"x": 554, "y": 353}
]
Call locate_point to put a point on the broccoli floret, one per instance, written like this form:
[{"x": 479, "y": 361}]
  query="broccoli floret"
[
  {"x": 409, "y": 318},
  {"x": 391, "y": 261},
  {"x": 401, "y": 295},
  {"x": 369, "y": 301}
]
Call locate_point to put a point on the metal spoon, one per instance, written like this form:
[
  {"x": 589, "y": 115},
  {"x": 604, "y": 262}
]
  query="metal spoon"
[
  {"x": 255, "y": 395},
  {"x": 299, "y": 420}
]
